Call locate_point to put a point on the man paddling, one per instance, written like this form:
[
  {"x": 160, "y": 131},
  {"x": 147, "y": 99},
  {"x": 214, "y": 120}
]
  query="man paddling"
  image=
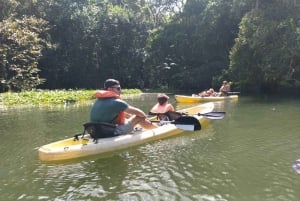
[
  {"x": 109, "y": 108},
  {"x": 224, "y": 89}
]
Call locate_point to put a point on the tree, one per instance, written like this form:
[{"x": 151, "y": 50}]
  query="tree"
[
  {"x": 20, "y": 49},
  {"x": 95, "y": 40},
  {"x": 197, "y": 42},
  {"x": 266, "y": 51}
]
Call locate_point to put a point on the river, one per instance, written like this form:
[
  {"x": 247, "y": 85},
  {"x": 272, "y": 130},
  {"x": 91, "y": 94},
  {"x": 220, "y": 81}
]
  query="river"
[{"x": 246, "y": 156}]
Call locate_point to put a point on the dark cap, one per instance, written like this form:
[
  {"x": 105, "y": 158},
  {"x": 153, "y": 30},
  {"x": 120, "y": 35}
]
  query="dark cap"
[{"x": 110, "y": 82}]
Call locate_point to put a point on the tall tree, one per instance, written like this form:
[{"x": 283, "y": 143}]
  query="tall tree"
[
  {"x": 197, "y": 43},
  {"x": 266, "y": 51},
  {"x": 20, "y": 49},
  {"x": 95, "y": 40}
]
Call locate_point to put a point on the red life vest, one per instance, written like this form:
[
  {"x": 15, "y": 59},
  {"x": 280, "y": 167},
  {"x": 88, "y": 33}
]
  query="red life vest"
[{"x": 121, "y": 118}]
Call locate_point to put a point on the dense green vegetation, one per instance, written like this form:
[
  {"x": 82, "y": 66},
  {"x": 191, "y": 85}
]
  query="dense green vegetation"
[
  {"x": 51, "y": 97},
  {"x": 166, "y": 44}
]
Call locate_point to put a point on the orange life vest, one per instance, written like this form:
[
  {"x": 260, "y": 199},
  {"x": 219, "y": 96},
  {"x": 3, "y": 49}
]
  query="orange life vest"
[
  {"x": 161, "y": 109},
  {"x": 105, "y": 94},
  {"x": 121, "y": 118}
]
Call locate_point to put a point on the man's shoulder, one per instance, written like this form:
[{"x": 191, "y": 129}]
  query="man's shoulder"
[{"x": 121, "y": 102}]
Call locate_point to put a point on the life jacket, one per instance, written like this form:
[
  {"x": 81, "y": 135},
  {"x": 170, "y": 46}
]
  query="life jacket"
[
  {"x": 161, "y": 109},
  {"x": 105, "y": 94},
  {"x": 101, "y": 94}
]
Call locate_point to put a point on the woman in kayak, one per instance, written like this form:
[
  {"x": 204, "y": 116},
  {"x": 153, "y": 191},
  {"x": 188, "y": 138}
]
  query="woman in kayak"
[
  {"x": 162, "y": 107},
  {"x": 109, "y": 108}
]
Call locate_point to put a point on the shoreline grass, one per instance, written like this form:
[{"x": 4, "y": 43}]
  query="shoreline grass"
[{"x": 52, "y": 97}]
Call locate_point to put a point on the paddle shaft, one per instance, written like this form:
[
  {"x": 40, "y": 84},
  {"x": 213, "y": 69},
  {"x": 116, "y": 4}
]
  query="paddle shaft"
[
  {"x": 208, "y": 115},
  {"x": 213, "y": 115},
  {"x": 186, "y": 120},
  {"x": 232, "y": 92}
]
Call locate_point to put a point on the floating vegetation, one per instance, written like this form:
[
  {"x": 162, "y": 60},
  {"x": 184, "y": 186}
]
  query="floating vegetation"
[{"x": 49, "y": 97}]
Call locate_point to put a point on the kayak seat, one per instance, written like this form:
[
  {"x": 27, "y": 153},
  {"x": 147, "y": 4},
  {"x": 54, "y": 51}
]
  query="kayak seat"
[
  {"x": 168, "y": 116},
  {"x": 98, "y": 130},
  {"x": 173, "y": 115}
]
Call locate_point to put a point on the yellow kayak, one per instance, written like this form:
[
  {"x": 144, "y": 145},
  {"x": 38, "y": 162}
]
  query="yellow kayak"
[
  {"x": 197, "y": 99},
  {"x": 70, "y": 148}
]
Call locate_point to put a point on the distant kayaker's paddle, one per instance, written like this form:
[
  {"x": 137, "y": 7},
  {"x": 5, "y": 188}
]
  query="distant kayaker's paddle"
[{"x": 232, "y": 92}]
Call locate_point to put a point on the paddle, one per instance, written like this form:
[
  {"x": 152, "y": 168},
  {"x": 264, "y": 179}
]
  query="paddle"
[
  {"x": 208, "y": 115},
  {"x": 232, "y": 92},
  {"x": 191, "y": 123},
  {"x": 183, "y": 121},
  {"x": 187, "y": 123},
  {"x": 213, "y": 115},
  {"x": 189, "y": 120}
]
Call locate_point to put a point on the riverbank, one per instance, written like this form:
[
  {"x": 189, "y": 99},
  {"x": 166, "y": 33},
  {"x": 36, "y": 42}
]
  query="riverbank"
[{"x": 52, "y": 97}]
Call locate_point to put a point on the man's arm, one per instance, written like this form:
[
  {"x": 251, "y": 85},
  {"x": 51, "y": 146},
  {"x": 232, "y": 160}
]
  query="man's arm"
[{"x": 136, "y": 111}]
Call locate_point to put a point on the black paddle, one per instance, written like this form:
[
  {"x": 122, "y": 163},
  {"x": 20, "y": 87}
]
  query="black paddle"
[
  {"x": 232, "y": 92},
  {"x": 208, "y": 115},
  {"x": 187, "y": 120},
  {"x": 187, "y": 123},
  {"x": 213, "y": 115}
]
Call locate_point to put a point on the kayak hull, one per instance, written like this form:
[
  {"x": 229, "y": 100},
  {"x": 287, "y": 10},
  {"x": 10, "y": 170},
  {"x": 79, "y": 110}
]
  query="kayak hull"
[
  {"x": 198, "y": 99},
  {"x": 71, "y": 149}
]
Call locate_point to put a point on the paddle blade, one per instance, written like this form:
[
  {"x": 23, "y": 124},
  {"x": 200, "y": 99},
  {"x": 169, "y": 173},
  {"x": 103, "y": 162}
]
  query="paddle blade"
[
  {"x": 213, "y": 115},
  {"x": 188, "y": 121},
  {"x": 233, "y": 92},
  {"x": 185, "y": 127}
]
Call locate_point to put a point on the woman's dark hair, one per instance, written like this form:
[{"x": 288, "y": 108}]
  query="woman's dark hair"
[{"x": 162, "y": 100}]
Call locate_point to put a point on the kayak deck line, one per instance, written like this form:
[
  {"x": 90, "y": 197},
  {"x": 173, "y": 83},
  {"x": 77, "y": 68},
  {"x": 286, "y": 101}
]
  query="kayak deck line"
[{"x": 198, "y": 99}]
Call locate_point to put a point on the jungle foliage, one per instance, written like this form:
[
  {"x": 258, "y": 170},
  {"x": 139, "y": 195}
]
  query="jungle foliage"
[{"x": 164, "y": 44}]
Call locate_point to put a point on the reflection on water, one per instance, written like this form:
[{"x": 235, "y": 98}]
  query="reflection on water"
[{"x": 246, "y": 156}]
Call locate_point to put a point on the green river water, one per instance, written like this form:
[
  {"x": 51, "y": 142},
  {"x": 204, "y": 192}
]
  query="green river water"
[{"x": 247, "y": 156}]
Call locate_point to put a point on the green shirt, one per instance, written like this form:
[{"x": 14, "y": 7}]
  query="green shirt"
[{"x": 107, "y": 109}]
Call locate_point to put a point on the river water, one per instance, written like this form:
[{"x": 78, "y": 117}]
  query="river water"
[{"x": 246, "y": 156}]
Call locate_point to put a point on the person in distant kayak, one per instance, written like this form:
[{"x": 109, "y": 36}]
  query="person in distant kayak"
[
  {"x": 224, "y": 89},
  {"x": 210, "y": 92},
  {"x": 109, "y": 108}
]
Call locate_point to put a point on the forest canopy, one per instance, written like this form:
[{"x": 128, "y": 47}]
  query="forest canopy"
[{"x": 166, "y": 44}]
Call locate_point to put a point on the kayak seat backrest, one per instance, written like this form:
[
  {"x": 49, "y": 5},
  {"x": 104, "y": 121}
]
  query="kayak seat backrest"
[
  {"x": 168, "y": 116},
  {"x": 172, "y": 115},
  {"x": 99, "y": 130}
]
